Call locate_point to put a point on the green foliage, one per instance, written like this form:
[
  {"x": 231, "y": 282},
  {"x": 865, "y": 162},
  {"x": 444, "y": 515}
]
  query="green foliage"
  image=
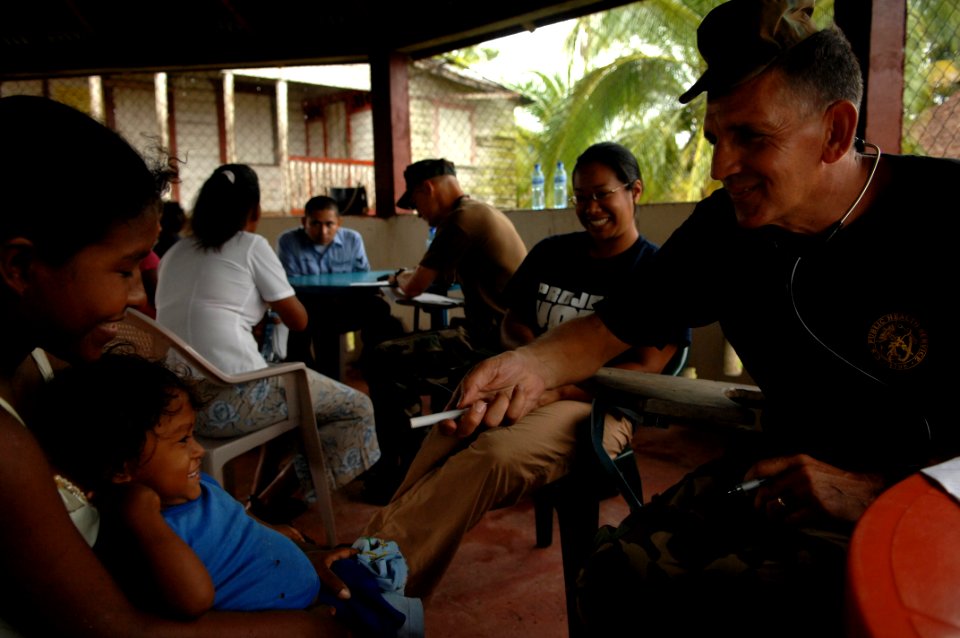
[
  {"x": 635, "y": 61},
  {"x": 628, "y": 65},
  {"x": 931, "y": 70},
  {"x": 470, "y": 55}
]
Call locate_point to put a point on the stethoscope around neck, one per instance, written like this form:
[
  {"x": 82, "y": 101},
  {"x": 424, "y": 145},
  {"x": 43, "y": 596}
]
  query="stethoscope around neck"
[{"x": 831, "y": 233}]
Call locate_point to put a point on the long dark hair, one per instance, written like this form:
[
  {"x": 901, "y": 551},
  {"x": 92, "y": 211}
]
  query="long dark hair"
[
  {"x": 226, "y": 202},
  {"x": 66, "y": 180}
]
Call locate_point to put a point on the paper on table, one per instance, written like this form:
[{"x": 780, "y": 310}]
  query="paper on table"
[
  {"x": 372, "y": 284},
  {"x": 427, "y": 298},
  {"x": 947, "y": 474},
  {"x": 439, "y": 300}
]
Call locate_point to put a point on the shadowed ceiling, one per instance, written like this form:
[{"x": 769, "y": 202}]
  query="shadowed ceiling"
[{"x": 82, "y": 37}]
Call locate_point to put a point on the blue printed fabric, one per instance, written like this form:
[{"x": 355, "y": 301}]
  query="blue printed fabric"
[{"x": 377, "y": 607}]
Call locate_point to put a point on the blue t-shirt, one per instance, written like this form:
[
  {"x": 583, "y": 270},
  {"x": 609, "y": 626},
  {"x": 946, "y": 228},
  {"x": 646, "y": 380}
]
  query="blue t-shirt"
[
  {"x": 301, "y": 256},
  {"x": 252, "y": 566}
]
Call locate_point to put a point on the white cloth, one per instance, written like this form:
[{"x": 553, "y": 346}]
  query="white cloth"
[
  {"x": 212, "y": 299},
  {"x": 85, "y": 516},
  {"x": 947, "y": 475}
]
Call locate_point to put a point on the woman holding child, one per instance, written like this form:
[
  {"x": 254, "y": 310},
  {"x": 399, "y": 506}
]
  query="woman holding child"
[{"x": 67, "y": 275}]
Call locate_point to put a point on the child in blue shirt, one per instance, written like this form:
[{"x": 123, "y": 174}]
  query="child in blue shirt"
[{"x": 135, "y": 453}]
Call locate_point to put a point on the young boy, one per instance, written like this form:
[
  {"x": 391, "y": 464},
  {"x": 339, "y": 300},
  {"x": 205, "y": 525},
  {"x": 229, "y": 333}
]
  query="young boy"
[{"x": 134, "y": 452}]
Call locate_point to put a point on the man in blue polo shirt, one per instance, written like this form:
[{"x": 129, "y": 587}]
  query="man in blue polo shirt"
[{"x": 322, "y": 245}]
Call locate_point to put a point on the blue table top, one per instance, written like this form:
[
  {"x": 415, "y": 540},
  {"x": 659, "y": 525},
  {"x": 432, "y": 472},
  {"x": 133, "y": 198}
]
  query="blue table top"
[{"x": 340, "y": 280}]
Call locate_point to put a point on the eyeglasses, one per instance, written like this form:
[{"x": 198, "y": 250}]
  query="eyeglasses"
[{"x": 584, "y": 200}]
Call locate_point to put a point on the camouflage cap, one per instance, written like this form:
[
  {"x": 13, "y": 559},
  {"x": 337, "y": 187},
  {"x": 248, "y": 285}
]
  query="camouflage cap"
[
  {"x": 418, "y": 172},
  {"x": 741, "y": 38}
]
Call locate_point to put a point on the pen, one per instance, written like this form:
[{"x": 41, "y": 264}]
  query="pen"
[
  {"x": 747, "y": 486},
  {"x": 430, "y": 419}
]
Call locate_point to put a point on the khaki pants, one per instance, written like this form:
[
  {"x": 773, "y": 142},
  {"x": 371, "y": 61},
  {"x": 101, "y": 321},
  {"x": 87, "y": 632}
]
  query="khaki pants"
[{"x": 452, "y": 483}]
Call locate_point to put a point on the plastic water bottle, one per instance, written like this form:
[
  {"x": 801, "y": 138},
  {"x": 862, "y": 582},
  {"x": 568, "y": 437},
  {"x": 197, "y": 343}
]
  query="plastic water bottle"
[
  {"x": 430, "y": 235},
  {"x": 537, "y": 195},
  {"x": 560, "y": 187}
]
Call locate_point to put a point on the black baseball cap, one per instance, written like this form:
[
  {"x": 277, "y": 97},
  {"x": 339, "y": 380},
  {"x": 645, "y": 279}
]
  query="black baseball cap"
[
  {"x": 741, "y": 38},
  {"x": 419, "y": 172}
]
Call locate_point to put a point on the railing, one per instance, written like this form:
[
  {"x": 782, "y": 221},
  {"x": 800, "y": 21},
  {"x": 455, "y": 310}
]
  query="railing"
[{"x": 310, "y": 176}]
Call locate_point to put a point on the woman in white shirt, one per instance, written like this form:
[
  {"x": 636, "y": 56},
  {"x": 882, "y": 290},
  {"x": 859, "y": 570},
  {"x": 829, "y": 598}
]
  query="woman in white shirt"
[{"x": 215, "y": 286}]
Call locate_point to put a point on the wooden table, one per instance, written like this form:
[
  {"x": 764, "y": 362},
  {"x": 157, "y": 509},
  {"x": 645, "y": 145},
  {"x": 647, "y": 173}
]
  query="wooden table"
[
  {"x": 339, "y": 282},
  {"x": 681, "y": 400},
  {"x": 350, "y": 284},
  {"x": 903, "y": 571},
  {"x": 316, "y": 291},
  {"x": 436, "y": 307}
]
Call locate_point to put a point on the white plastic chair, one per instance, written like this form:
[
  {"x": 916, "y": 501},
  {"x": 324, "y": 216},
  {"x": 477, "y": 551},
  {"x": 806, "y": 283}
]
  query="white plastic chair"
[{"x": 151, "y": 340}]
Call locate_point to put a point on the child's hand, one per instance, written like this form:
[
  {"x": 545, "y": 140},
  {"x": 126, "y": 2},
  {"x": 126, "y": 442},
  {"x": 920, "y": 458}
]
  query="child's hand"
[
  {"x": 323, "y": 559},
  {"x": 137, "y": 501}
]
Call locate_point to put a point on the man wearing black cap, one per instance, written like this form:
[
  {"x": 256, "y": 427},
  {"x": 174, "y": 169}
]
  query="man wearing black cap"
[
  {"x": 825, "y": 265},
  {"x": 476, "y": 246}
]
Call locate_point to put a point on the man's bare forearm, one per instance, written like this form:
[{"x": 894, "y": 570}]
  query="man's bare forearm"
[{"x": 574, "y": 350}]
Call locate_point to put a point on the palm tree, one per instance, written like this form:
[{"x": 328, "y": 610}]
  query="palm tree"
[
  {"x": 630, "y": 98},
  {"x": 635, "y": 61},
  {"x": 627, "y": 67}
]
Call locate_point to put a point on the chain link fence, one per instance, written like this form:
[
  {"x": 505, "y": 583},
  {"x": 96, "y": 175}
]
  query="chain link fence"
[
  {"x": 931, "y": 95},
  {"x": 613, "y": 75}
]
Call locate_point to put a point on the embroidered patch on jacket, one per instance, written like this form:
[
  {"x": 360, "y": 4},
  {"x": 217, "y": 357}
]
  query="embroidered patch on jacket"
[{"x": 898, "y": 340}]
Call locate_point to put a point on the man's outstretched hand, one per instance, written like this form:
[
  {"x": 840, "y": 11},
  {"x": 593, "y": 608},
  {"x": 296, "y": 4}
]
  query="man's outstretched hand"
[{"x": 499, "y": 391}]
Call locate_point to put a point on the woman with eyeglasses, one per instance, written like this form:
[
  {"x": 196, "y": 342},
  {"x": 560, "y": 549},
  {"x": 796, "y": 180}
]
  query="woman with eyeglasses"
[
  {"x": 564, "y": 276},
  {"x": 561, "y": 278}
]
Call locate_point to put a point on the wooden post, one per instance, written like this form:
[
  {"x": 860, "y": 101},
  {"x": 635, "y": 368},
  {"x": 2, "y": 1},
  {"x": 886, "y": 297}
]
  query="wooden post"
[
  {"x": 229, "y": 120},
  {"x": 95, "y": 83},
  {"x": 162, "y": 108},
  {"x": 877, "y": 31},
  {"x": 391, "y": 127},
  {"x": 283, "y": 144}
]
